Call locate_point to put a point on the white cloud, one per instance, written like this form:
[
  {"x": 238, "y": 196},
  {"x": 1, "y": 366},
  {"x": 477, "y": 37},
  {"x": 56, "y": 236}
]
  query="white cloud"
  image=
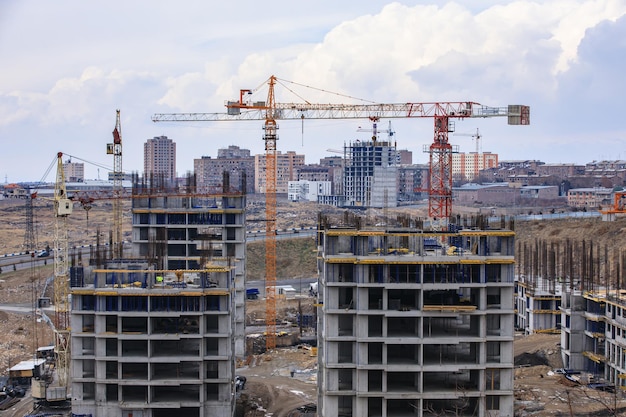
[{"x": 73, "y": 63}]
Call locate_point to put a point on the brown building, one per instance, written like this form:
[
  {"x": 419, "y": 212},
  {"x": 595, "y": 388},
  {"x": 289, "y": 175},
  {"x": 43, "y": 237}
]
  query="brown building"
[{"x": 287, "y": 168}]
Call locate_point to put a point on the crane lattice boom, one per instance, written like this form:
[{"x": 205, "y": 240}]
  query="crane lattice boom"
[
  {"x": 297, "y": 111},
  {"x": 440, "y": 180}
]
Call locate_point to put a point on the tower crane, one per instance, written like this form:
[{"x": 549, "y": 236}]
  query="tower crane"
[
  {"x": 440, "y": 186},
  {"x": 115, "y": 149},
  {"x": 62, "y": 208},
  {"x": 476, "y": 136},
  {"x": 375, "y": 130}
]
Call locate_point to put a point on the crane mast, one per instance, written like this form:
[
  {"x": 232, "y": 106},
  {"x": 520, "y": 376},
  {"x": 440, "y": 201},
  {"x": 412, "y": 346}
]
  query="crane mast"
[
  {"x": 62, "y": 208},
  {"x": 115, "y": 149},
  {"x": 270, "y": 137},
  {"x": 440, "y": 163}
]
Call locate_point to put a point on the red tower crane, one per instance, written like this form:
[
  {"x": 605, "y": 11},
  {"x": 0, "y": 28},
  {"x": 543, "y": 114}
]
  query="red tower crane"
[
  {"x": 440, "y": 150},
  {"x": 115, "y": 149}
]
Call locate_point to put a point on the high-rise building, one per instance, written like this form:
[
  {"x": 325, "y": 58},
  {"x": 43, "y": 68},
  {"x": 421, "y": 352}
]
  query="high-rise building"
[
  {"x": 369, "y": 178},
  {"x": 335, "y": 170},
  {"x": 74, "y": 171},
  {"x": 405, "y": 157},
  {"x": 159, "y": 159},
  {"x": 416, "y": 325}
]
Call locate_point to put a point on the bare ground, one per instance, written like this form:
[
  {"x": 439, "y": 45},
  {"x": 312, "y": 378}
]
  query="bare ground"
[{"x": 270, "y": 388}]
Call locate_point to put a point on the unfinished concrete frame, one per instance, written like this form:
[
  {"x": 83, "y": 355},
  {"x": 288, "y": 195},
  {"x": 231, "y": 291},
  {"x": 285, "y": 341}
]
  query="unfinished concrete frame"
[
  {"x": 416, "y": 323},
  {"x": 158, "y": 336}
]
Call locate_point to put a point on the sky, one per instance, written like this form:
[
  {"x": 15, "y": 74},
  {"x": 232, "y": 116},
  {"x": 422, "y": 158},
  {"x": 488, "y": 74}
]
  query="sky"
[{"x": 68, "y": 65}]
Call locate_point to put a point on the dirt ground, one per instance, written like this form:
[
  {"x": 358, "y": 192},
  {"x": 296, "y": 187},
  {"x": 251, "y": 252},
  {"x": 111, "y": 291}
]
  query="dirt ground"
[
  {"x": 539, "y": 391},
  {"x": 270, "y": 388}
]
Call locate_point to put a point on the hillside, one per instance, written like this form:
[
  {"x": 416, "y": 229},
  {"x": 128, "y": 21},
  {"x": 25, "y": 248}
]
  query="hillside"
[
  {"x": 592, "y": 229},
  {"x": 296, "y": 258}
]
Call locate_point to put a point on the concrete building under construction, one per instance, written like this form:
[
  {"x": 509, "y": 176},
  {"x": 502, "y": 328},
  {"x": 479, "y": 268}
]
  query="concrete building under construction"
[
  {"x": 416, "y": 322},
  {"x": 157, "y": 335},
  {"x": 577, "y": 288},
  {"x": 538, "y": 305},
  {"x": 369, "y": 178}
]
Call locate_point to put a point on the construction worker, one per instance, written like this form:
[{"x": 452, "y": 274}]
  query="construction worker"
[{"x": 159, "y": 279}]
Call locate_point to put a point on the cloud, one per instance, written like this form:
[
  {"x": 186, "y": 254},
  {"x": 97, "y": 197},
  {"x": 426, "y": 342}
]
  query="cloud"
[{"x": 562, "y": 57}]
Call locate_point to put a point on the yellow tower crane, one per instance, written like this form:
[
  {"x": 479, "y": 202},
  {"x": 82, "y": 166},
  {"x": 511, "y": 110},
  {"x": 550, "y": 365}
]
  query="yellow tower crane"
[{"x": 62, "y": 208}]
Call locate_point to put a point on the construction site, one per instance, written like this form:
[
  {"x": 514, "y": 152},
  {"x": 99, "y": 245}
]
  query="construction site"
[
  {"x": 415, "y": 316},
  {"x": 417, "y": 321}
]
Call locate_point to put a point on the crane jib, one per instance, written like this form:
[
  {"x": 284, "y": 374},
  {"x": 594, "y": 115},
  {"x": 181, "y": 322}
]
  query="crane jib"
[{"x": 517, "y": 114}]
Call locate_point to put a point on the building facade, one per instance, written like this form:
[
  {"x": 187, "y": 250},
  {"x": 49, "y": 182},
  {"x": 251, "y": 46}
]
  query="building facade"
[
  {"x": 538, "y": 305},
  {"x": 74, "y": 171},
  {"x": 159, "y": 159},
  {"x": 416, "y": 325},
  {"x": 405, "y": 157},
  {"x": 412, "y": 182},
  {"x": 304, "y": 190},
  {"x": 589, "y": 197},
  {"x": 335, "y": 169},
  {"x": 158, "y": 335},
  {"x": 287, "y": 168},
  {"x": 234, "y": 162},
  {"x": 370, "y": 174},
  {"x": 467, "y": 166}
]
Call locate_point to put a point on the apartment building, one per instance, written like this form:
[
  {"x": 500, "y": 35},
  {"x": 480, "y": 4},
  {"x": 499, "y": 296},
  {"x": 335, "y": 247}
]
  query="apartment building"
[
  {"x": 74, "y": 171},
  {"x": 589, "y": 197},
  {"x": 335, "y": 170},
  {"x": 304, "y": 190},
  {"x": 538, "y": 305},
  {"x": 234, "y": 162},
  {"x": 412, "y": 182},
  {"x": 159, "y": 159},
  {"x": 287, "y": 167},
  {"x": 416, "y": 321},
  {"x": 467, "y": 166},
  {"x": 158, "y": 335}
]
